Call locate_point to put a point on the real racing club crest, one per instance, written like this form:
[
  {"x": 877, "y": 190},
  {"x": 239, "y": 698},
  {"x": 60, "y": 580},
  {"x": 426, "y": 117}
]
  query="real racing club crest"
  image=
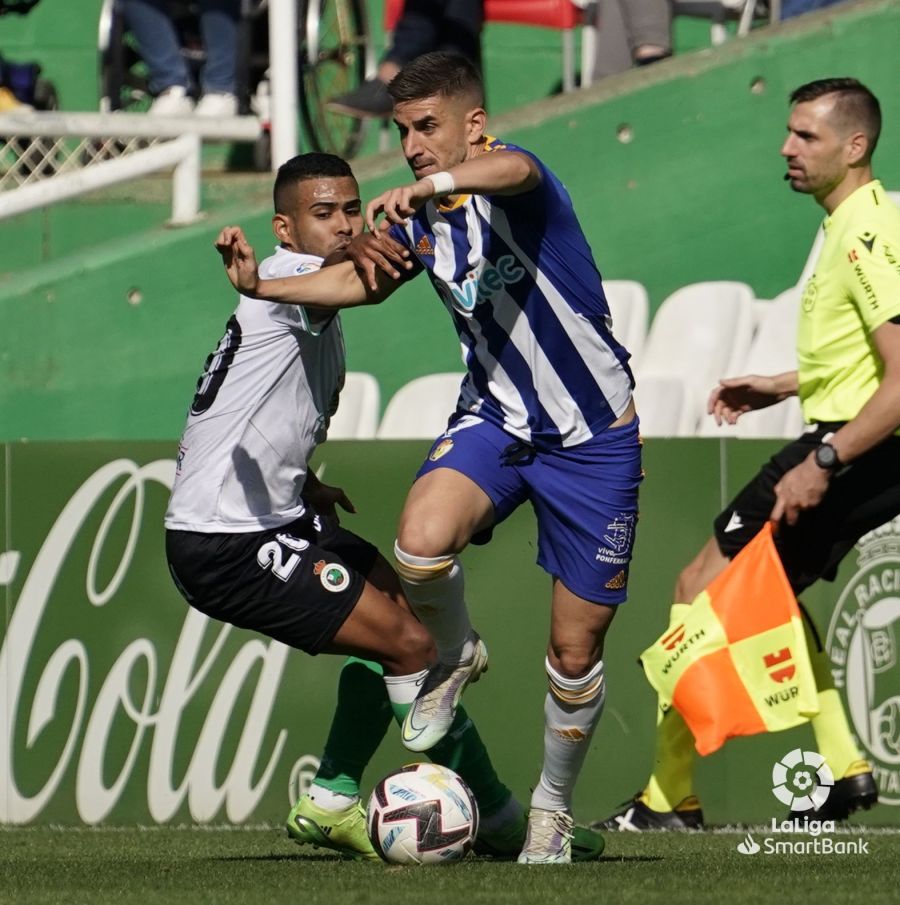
[{"x": 862, "y": 646}]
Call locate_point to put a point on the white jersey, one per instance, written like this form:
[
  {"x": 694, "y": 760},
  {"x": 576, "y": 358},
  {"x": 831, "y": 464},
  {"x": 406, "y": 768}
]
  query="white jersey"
[{"x": 262, "y": 406}]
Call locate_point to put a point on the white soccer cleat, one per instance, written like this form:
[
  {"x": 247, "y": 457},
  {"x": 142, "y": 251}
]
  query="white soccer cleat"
[
  {"x": 433, "y": 710},
  {"x": 549, "y": 839}
]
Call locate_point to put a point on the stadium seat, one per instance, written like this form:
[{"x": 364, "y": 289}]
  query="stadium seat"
[
  {"x": 700, "y": 333},
  {"x": 772, "y": 351},
  {"x": 357, "y": 414},
  {"x": 660, "y": 406},
  {"x": 420, "y": 409},
  {"x": 630, "y": 311}
]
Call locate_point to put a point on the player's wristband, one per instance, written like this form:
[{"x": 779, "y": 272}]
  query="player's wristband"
[{"x": 443, "y": 184}]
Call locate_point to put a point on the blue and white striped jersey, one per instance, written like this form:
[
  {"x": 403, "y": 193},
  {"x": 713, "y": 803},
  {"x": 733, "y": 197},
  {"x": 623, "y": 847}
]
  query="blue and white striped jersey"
[{"x": 519, "y": 280}]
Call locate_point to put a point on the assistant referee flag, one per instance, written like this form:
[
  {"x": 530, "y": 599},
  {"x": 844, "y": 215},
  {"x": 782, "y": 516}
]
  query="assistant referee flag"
[{"x": 738, "y": 663}]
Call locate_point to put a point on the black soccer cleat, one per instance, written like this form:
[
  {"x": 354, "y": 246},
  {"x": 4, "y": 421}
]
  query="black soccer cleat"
[
  {"x": 854, "y": 792},
  {"x": 636, "y": 817}
]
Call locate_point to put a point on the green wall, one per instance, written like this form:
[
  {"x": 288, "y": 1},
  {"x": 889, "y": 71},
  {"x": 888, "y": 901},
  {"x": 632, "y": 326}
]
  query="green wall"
[
  {"x": 696, "y": 195},
  {"x": 90, "y": 614}
]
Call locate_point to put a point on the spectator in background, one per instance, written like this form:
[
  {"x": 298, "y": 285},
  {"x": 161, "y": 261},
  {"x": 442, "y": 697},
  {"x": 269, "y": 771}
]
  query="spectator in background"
[
  {"x": 631, "y": 33},
  {"x": 424, "y": 26},
  {"x": 154, "y": 30}
]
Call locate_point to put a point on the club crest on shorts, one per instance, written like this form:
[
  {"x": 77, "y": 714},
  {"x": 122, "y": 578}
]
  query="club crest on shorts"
[
  {"x": 441, "y": 449},
  {"x": 333, "y": 575}
]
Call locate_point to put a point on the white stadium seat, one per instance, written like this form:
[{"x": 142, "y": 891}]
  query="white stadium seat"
[
  {"x": 773, "y": 350},
  {"x": 357, "y": 415},
  {"x": 700, "y": 333},
  {"x": 660, "y": 406},
  {"x": 421, "y": 408},
  {"x": 629, "y": 307}
]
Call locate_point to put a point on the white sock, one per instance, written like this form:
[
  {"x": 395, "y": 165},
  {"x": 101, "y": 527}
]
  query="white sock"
[
  {"x": 509, "y": 812},
  {"x": 435, "y": 589},
  {"x": 402, "y": 690},
  {"x": 328, "y": 800},
  {"x": 571, "y": 710}
]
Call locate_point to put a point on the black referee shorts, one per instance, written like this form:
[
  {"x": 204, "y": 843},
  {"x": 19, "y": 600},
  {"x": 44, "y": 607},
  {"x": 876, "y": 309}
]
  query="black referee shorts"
[
  {"x": 860, "y": 497},
  {"x": 296, "y": 584}
]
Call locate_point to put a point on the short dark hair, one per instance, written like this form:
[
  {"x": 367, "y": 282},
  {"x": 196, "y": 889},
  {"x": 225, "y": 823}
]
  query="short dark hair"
[
  {"x": 302, "y": 167},
  {"x": 856, "y": 107},
  {"x": 439, "y": 73}
]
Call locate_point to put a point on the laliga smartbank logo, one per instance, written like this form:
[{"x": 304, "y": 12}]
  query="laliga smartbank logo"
[
  {"x": 862, "y": 645},
  {"x": 802, "y": 781}
]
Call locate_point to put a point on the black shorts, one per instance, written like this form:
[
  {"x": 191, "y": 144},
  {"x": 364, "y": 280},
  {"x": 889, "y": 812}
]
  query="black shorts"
[
  {"x": 296, "y": 584},
  {"x": 860, "y": 497}
]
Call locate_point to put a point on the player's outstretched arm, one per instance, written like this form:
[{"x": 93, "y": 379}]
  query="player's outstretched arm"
[
  {"x": 339, "y": 286},
  {"x": 493, "y": 173},
  {"x": 735, "y": 396}
]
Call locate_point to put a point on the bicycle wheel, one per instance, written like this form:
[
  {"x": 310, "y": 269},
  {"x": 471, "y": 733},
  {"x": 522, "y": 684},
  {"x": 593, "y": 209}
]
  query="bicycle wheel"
[{"x": 334, "y": 44}]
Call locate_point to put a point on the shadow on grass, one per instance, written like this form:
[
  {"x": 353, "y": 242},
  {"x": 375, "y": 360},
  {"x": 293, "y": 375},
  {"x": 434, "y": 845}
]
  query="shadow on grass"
[{"x": 297, "y": 857}]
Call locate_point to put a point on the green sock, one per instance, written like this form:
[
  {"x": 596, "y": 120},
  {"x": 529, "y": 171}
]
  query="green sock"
[
  {"x": 361, "y": 719},
  {"x": 463, "y": 751}
]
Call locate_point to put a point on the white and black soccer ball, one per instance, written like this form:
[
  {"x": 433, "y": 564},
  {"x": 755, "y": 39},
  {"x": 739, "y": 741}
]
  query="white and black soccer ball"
[{"x": 423, "y": 814}]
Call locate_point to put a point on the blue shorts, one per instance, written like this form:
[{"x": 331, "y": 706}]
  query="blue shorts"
[{"x": 585, "y": 497}]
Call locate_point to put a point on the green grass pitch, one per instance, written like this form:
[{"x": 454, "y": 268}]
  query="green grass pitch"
[{"x": 243, "y": 867}]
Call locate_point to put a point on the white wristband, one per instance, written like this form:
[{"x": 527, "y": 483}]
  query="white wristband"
[{"x": 443, "y": 184}]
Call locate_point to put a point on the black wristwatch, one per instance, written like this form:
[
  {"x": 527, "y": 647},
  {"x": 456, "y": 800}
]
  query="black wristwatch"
[{"x": 826, "y": 457}]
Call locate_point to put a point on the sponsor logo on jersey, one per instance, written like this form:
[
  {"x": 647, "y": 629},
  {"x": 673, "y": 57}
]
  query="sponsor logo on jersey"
[
  {"x": 735, "y": 523},
  {"x": 441, "y": 449},
  {"x": 482, "y": 285},
  {"x": 424, "y": 247},
  {"x": 862, "y": 645},
  {"x": 868, "y": 239},
  {"x": 334, "y": 577}
]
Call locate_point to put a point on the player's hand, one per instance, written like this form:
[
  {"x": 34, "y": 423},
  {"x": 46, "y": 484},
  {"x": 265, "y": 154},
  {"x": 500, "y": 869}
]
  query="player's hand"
[
  {"x": 239, "y": 260},
  {"x": 400, "y": 203},
  {"x": 323, "y": 498},
  {"x": 734, "y": 396},
  {"x": 375, "y": 251},
  {"x": 803, "y": 487}
]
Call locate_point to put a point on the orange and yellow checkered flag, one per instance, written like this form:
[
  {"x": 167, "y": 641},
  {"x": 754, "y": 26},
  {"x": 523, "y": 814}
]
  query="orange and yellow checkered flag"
[{"x": 738, "y": 663}]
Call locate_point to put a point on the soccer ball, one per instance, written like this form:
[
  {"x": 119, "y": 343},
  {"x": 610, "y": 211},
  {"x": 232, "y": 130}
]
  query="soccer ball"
[{"x": 423, "y": 814}]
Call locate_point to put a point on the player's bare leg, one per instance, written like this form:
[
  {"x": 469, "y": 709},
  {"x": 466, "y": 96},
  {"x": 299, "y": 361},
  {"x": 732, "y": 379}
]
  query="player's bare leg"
[
  {"x": 572, "y": 708},
  {"x": 381, "y": 630},
  {"x": 444, "y": 508}
]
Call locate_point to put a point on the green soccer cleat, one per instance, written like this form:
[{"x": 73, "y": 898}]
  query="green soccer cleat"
[{"x": 341, "y": 831}]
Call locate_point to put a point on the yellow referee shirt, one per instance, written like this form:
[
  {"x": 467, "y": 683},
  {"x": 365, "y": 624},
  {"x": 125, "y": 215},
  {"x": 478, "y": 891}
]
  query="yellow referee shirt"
[{"x": 854, "y": 290}]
